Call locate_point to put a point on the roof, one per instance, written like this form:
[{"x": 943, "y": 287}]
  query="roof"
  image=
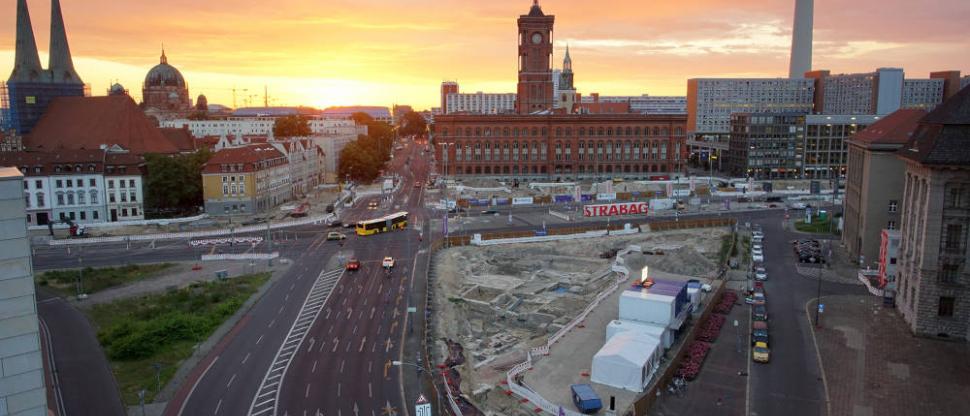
[
  {"x": 46, "y": 161},
  {"x": 373, "y": 111},
  {"x": 273, "y": 111},
  {"x": 662, "y": 287},
  {"x": 629, "y": 347},
  {"x": 90, "y": 122},
  {"x": 181, "y": 138},
  {"x": 894, "y": 129},
  {"x": 535, "y": 10},
  {"x": 10, "y": 173},
  {"x": 246, "y": 155},
  {"x": 943, "y": 136}
]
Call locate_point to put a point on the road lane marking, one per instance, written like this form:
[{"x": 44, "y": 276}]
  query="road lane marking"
[
  {"x": 370, "y": 393},
  {"x": 314, "y": 369},
  {"x": 342, "y": 362},
  {"x": 271, "y": 323},
  {"x": 259, "y": 340},
  {"x": 246, "y": 358},
  {"x": 310, "y": 347},
  {"x": 372, "y": 310},
  {"x": 281, "y": 307},
  {"x": 328, "y": 313},
  {"x": 361, "y": 349},
  {"x": 267, "y": 395},
  {"x": 218, "y": 406},
  {"x": 370, "y": 364},
  {"x": 348, "y": 347},
  {"x": 360, "y": 315},
  {"x": 388, "y": 345},
  {"x": 196, "y": 384},
  {"x": 231, "y": 379},
  {"x": 338, "y": 389},
  {"x": 292, "y": 286},
  {"x": 330, "y": 330},
  {"x": 349, "y": 311},
  {"x": 336, "y": 343},
  {"x": 355, "y": 329},
  {"x": 306, "y": 395}
]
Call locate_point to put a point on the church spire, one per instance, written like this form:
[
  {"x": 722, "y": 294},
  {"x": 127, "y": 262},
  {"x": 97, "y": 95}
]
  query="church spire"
[
  {"x": 163, "y": 59},
  {"x": 567, "y": 62},
  {"x": 61, "y": 65},
  {"x": 26, "y": 65}
]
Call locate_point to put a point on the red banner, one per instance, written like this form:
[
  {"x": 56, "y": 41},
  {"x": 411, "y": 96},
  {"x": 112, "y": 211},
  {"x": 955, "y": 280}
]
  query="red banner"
[{"x": 610, "y": 210}]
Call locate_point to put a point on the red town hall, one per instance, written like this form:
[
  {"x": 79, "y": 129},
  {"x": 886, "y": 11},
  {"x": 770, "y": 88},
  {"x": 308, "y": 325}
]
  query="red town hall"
[{"x": 540, "y": 141}]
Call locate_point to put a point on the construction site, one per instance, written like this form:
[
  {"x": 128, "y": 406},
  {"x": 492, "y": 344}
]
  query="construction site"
[{"x": 499, "y": 301}]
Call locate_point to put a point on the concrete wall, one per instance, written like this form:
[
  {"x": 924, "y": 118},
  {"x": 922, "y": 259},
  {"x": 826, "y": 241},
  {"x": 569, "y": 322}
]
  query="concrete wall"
[
  {"x": 883, "y": 182},
  {"x": 21, "y": 367}
]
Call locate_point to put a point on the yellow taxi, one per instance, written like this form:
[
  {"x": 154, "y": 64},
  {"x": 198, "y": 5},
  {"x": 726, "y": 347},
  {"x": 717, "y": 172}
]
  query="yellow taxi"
[{"x": 760, "y": 353}]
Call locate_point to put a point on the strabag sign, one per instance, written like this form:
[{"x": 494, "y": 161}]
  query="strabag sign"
[{"x": 610, "y": 210}]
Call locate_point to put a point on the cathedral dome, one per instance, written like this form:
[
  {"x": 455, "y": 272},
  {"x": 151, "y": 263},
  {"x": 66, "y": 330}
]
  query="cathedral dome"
[{"x": 164, "y": 75}]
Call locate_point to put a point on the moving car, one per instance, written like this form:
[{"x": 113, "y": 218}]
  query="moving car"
[
  {"x": 353, "y": 265},
  {"x": 760, "y": 353},
  {"x": 759, "y": 313},
  {"x": 372, "y": 205},
  {"x": 388, "y": 262},
  {"x": 333, "y": 235}
]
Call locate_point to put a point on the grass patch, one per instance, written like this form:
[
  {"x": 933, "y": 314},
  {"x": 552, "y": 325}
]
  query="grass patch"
[
  {"x": 95, "y": 280},
  {"x": 818, "y": 225},
  {"x": 164, "y": 328},
  {"x": 727, "y": 245}
]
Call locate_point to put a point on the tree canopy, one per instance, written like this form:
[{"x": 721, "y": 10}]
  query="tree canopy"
[
  {"x": 291, "y": 126},
  {"x": 364, "y": 158},
  {"x": 413, "y": 124},
  {"x": 173, "y": 184}
]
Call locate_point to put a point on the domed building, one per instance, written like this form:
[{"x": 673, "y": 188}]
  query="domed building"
[{"x": 165, "y": 93}]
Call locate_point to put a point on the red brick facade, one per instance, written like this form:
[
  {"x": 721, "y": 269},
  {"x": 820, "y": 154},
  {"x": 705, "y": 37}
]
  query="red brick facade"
[
  {"x": 561, "y": 146},
  {"x": 535, "y": 88}
]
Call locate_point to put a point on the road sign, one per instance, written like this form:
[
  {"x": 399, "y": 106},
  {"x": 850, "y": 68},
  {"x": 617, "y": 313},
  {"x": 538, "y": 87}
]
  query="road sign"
[
  {"x": 422, "y": 407},
  {"x": 821, "y": 307},
  {"x": 412, "y": 309}
]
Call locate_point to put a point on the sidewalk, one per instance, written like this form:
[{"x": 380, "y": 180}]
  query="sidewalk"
[
  {"x": 873, "y": 365},
  {"x": 719, "y": 389}
]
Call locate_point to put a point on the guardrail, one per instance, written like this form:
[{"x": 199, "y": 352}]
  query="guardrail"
[
  {"x": 224, "y": 241},
  {"x": 243, "y": 256},
  {"x": 560, "y": 215},
  {"x": 118, "y": 224},
  {"x": 193, "y": 234}
]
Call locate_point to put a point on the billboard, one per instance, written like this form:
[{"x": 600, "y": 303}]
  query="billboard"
[
  {"x": 606, "y": 196},
  {"x": 609, "y": 210},
  {"x": 522, "y": 201}
]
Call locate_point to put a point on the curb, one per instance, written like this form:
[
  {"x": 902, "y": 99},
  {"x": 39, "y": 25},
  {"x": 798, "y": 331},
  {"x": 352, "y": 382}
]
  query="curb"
[{"x": 818, "y": 355}]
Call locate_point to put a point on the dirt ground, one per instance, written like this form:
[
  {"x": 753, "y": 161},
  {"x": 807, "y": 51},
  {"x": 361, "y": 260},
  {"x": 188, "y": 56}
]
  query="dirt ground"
[{"x": 498, "y": 301}]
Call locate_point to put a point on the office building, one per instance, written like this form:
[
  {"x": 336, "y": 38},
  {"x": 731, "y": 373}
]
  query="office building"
[
  {"x": 711, "y": 101},
  {"x": 378, "y": 113},
  {"x": 874, "y": 183},
  {"x": 766, "y": 146},
  {"x": 31, "y": 88},
  {"x": 934, "y": 274},
  {"x": 922, "y": 94},
  {"x": 447, "y": 87},
  {"x": 801, "y": 42},
  {"x": 644, "y": 104},
  {"x": 481, "y": 103},
  {"x": 826, "y": 147},
  {"x": 880, "y": 92},
  {"x": 262, "y": 126},
  {"x": 22, "y": 389}
]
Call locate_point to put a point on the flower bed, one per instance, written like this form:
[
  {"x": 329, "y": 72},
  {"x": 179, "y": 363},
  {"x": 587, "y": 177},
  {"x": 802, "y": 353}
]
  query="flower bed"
[
  {"x": 711, "y": 328},
  {"x": 690, "y": 367},
  {"x": 727, "y": 302}
]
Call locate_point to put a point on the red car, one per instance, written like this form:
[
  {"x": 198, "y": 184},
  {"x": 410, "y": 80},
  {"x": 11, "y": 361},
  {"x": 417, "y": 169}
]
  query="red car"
[{"x": 353, "y": 265}]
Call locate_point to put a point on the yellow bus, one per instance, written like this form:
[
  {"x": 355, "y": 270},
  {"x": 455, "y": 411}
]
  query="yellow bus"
[{"x": 396, "y": 221}]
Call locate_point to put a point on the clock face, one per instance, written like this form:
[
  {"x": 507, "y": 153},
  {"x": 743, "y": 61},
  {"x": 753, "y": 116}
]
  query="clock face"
[{"x": 536, "y": 38}]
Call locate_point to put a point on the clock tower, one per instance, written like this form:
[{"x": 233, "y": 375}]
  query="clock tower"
[{"x": 535, "y": 90}]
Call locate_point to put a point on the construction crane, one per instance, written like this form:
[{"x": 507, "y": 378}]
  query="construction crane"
[{"x": 233, "y": 89}]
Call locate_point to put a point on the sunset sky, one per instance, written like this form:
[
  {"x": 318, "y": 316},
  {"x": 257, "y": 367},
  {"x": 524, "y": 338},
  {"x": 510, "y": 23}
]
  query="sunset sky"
[{"x": 381, "y": 52}]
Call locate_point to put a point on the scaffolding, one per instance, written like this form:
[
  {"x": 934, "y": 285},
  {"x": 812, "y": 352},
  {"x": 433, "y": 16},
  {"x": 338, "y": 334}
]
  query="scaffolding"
[{"x": 4, "y": 108}]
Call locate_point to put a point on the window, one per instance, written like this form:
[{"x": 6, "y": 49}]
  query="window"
[
  {"x": 891, "y": 225},
  {"x": 953, "y": 241},
  {"x": 40, "y": 199},
  {"x": 58, "y": 183},
  {"x": 949, "y": 273},
  {"x": 80, "y": 198},
  {"x": 134, "y": 212},
  {"x": 27, "y": 199},
  {"x": 946, "y": 306},
  {"x": 121, "y": 184},
  {"x": 225, "y": 189},
  {"x": 893, "y": 205},
  {"x": 131, "y": 183},
  {"x": 39, "y": 184},
  {"x": 111, "y": 184},
  {"x": 26, "y": 185},
  {"x": 94, "y": 197},
  {"x": 80, "y": 183},
  {"x": 124, "y": 212},
  {"x": 73, "y": 217},
  {"x": 60, "y": 198},
  {"x": 84, "y": 215},
  {"x": 134, "y": 196},
  {"x": 124, "y": 197},
  {"x": 91, "y": 182},
  {"x": 94, "y": 215},
  {"x": 111, "y": 198}
]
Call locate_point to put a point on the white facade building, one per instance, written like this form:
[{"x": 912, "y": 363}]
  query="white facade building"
[
  {"x": 75, "y": 197},
  {"x": 646, "y": 104},
  {"x": 711, "y": 101},
  {"x": 922, "y": 94},
  {"x": 22, "y": 390},
  {"x": 124, "y": 194},
  {"x": 481, "y": 103},
  {"x": 880, "y": 92},
  {"x": 261, "y": 126}
]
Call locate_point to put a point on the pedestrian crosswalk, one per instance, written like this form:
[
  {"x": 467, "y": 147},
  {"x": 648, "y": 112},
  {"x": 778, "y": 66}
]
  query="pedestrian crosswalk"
[{"x": 264, "y": 403}]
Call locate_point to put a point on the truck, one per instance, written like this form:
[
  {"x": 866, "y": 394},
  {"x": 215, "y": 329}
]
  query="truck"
[
  {"x": 388, "y": 185},
  {"x": 585, "y": 398}
]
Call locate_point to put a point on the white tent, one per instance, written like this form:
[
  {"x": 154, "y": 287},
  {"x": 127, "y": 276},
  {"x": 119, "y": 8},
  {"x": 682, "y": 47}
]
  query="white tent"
[
  {"x": 627, "y": 361},
  {"x": 660, "y": 332}
]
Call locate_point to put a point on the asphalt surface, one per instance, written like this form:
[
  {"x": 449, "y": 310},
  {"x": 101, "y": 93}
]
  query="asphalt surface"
[
  {"x": 791, "y": 384},
  {"x": 82, "y": 371}
]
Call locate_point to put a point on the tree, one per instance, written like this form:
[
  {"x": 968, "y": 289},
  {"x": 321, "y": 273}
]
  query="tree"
[
  {"x": 359, "y": 162},
  {"x": 413, "y": 124},
  {"x": 362, "y": 118},
  {"x": 173, "y": 184},
  {"x": 292, "y": 126}
]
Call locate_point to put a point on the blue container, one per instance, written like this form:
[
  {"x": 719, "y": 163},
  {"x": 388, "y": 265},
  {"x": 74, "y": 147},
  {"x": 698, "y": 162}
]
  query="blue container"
[{"x": 585, "y": 399}]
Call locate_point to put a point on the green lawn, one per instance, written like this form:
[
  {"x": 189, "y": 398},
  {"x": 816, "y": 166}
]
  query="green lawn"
[
  {"x": 164, "y": 328},
  {"x": 817, "y": 226},
  {"x": 95, "y": 280}
]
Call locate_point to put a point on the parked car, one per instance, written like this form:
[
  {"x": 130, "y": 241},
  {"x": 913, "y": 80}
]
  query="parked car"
[
  {"x": 585, "y": 398},
  {"x": 759, "y": 332},
  {"x": 760, "y": 353},
  {"x": 333, "y": 235},
  {"x": 760, "y": 274},
  {"x": 759, "y": 313},
  {"x": 758, "y": 256},
  {"x": 353, "y": 265},
  {"x": 756, "y": 298},
  {"x": 797, "y": 205}
]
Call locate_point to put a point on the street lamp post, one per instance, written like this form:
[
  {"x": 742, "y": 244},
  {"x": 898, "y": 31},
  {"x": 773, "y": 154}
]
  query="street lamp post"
[{"x": 80, "y": 275}]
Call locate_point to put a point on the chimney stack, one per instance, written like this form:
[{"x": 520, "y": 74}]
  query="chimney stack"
[{"x": 801, "y": 41}]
